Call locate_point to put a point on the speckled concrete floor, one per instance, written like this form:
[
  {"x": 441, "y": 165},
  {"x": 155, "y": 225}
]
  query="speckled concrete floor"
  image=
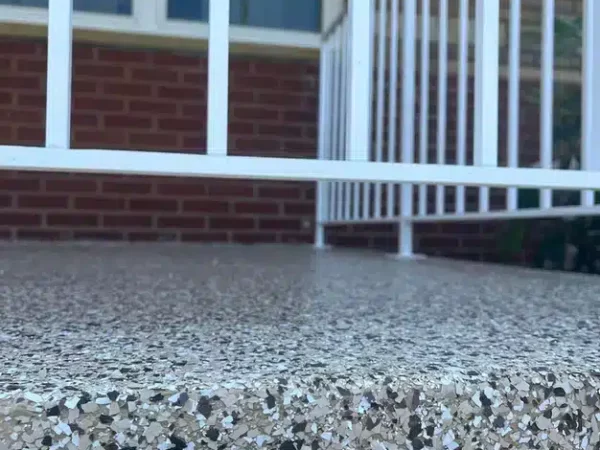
[{"x": 291, "y": 330}]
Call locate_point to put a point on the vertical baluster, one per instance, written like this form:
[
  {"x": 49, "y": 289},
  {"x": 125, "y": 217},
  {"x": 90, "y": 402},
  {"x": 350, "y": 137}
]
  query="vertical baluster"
[
  {"x": 424, "y": 100},
  {"x": 408, "y": 123},
  {"x": 547, "y": 94},
  {"x": 360, "y": 79},
  {"x": 393, "y": 104},
  {"x": 58, "y": 78},
  {"x": 342, "y": 118},
  {"x": 337, "y": 117},
  {"x": 380, "y": 96},
  {"x": 485, "y": 140},
  {"x": 462, "y": 94},
  {"x": 514, "y": 78},
  {"x": 218, "y": 78},
  {"x": 344, "y": 130},
  {"x": 442, "y": 99},
  {"x": 324, "y": 144}
]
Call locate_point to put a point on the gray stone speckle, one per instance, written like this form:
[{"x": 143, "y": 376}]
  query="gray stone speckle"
[{"x": 157, "y": 346}]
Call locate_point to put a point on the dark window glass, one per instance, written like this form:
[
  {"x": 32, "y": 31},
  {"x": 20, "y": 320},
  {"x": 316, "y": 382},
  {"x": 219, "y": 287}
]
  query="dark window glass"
[
  {"x": 196, "y": 10},
  {"x": 302, "y": 15},
  {"x": 120, "y": 7}
]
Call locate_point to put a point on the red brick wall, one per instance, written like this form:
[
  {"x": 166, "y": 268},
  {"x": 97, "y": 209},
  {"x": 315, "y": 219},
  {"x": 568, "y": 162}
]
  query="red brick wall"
[{"x": 156, "y": 100}]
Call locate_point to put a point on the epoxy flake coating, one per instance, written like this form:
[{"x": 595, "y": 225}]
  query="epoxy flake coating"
[{"x": 282, "y": 347}]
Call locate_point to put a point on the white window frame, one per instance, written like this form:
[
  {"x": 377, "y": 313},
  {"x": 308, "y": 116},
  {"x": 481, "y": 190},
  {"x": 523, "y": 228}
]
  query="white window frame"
[{"x": 149, "y": 17}]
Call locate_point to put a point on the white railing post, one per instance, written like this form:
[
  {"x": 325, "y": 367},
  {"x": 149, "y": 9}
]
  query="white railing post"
[
  {"x": 514, "y": 86},
  {"x": 218, "y": 78},
  {"x": 380, "y": 98},
  {"x": 325, "y": 115},
  {"x": 487, "y": 43},
  {"x": 590, "y": 150},
  {"x": 365, "y": 204},
  {"x": 424, "y": 99},
  {"x": 547, "y": 96},
  {"x": 336, "y": 117},
  {"x": 344, "y": 93},
  {"x": 462, "y": 101},
  {"x": 393, "y": 101},
  {"x": 360, "y": 80},
  {"x": 442, "y": 93},
  {"x": 405, "y": 232},
  {"x": 58, "y": 85}
]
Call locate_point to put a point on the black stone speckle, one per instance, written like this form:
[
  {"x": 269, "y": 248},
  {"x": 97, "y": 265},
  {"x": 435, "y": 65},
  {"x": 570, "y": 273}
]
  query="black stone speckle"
[
  {"x": 53, "y": 412},
  {"x": 499, "y": 422},
  {"x": 212, "y": 434},
  {"x": 417, "y": 444},
  {"x": 560, "y": 392},
  {"x": 157, "y": 398},
  {"x": 287, "y": 445},
  {"x": 415, "y": 427},
  {"x": 105, "y": 419},
  {"x": 299, "y": 427},
  {"x": 270, "y": 400},
  {"x": 183, "y": 398},
  {"x": 47, "y": 441},
  {"x": 484, "y": 400},
  {"x": 344, "y": 392},
  {"x": 179, "y": 443},
  {"x": 370, "y": 424},
  {"x": 415, "y": 401},
  {"x": 204, "y": 407}
]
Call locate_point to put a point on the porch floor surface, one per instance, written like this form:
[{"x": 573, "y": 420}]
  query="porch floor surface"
[{"x": 124, "y": 346}]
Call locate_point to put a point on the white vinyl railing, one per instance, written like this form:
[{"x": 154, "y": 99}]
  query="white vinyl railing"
[
  {"x": 370, "y": 166},
  {"x": 383, "y": 204}
]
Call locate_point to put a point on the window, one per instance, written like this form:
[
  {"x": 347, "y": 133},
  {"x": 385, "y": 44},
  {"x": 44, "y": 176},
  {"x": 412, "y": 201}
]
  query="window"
[
  {"x": 265, "y": 23},
  {"x": 299, "y": 15},
  {"x": 120, "y": 7}
]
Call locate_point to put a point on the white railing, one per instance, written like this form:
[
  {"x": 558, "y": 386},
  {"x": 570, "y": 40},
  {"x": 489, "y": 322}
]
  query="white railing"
[
  {"x": 366, "y": 166},
  {"x": 394, "y": 202}
]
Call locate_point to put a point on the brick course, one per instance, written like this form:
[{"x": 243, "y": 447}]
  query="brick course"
[{"x": 156, "y": 100}]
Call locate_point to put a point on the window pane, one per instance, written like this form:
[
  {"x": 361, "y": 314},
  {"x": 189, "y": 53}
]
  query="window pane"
[
  {"x": 39, "y": 3},
  {"x": 304, "y": 15},
  {"x": 196, "y": 10},
  {"x": 121, "y": 7}
]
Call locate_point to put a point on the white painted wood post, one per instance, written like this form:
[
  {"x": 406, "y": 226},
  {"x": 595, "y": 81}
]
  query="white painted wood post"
[
  {"x": 590, "y": 149},
  {"x": 58, "y": 81},
  {"x": 359, "y": 104},
  {"x": 487, "y": 53},
  {"x": 218, "y": 78}
]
